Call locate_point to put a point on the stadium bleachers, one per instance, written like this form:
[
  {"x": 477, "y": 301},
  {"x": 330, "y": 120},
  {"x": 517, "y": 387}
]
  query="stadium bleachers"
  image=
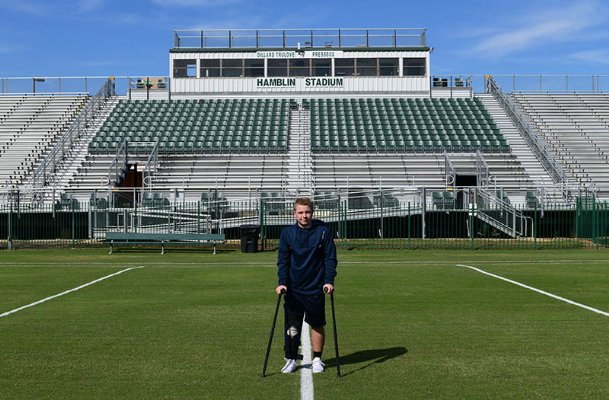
[
  {"x": 576, "y": 126},
  {"x": 28, "y": 126},
  {"x": 196, "y": 126},
  {"x": 357, "y": 170},
  {"x": 403, "y": 125},
  {"x": 242, "y": 144},
  {"x": 375, "y": 141}
]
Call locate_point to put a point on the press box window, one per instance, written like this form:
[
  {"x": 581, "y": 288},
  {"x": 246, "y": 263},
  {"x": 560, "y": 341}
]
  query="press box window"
[
  {"x": 300, "y": 67},
  {"x": 322, "y": 67},
  {"x": 344, "y": 66},
  {"x": 277, "y": 67},
  {"x": 254, "y": 67},
  {"x": 232, "y": 68},
  {"x": 210, "y": 68},
  {"x": 185, "y": 68},
  {"x": 367, "y": 67},
  {"x": 414, "y": 67},
  {"x": 389, "y": 66}
]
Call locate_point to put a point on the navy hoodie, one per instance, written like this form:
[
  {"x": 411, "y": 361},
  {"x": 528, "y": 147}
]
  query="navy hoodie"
[{"x": 307, "y": 258}]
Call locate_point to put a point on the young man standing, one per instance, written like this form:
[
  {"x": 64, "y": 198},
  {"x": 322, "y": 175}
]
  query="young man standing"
[{"x": 306, "y": 268}]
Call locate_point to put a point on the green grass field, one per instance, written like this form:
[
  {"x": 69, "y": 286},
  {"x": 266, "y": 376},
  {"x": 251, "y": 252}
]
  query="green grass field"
[{"x": 411, "y": 325}]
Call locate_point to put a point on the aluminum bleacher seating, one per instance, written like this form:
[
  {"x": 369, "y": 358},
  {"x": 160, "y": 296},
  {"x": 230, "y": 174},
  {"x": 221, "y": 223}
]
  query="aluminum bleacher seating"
[
  {"x": 403, "y": 125},
  {"x": 198, "y": 126}
]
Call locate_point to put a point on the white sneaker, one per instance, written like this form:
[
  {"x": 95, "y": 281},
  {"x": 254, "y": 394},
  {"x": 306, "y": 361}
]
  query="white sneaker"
[
  {"x": 318, "y": 366},
  {"x": 289, "y": 367}
]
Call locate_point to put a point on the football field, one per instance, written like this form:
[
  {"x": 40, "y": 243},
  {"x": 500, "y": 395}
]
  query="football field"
[{"x": 82, "y": 324}]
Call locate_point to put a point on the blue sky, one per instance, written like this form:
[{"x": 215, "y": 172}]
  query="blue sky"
[{"x": 133, "y": 37}]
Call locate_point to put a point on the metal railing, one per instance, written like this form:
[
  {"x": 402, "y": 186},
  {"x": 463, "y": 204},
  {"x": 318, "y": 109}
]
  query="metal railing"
[
  {"x": 382, "y": 219},
  {"x": 75, "y": 85},
  {"x": 535, "y": 141},
  {"x": 482, "y": 171},
  {"x": 456, "y": 84},
  {"x": 500, "y": 214},
  {"x": 300, "y": 38},
  {"x": 152, "y": 165},
  {"x": 47, "y": 167},
  {"x": 450, "y": 174},
  {"x": 119, "y": 165},
  {"x": 476, "y": 83}
]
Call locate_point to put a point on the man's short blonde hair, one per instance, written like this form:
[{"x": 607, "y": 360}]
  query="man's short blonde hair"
[{"x": 304, "y": 201}]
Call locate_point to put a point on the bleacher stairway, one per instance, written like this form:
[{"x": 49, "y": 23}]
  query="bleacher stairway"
[
  {"x": 77, "y": 154},
  {"x": 540, "y": 180},
  {"x": 300, "y": 161}
]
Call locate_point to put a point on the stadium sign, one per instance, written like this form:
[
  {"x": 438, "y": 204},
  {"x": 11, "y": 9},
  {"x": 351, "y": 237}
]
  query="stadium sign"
[
  {"x": 276, "y": 54},
  {"x": 306, "y": 82},
  {"x": 299, "y": 54},
  {"x": 323, "y": 54},
  {"x": 324, "y": 82},
  {"x": 276, "y": 82}
]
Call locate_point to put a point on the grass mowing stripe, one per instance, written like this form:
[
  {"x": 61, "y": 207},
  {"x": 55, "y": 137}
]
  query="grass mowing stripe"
[
  {"x": 585, "y": 307},
  {"x": 306, "y": 373},
  {"x": 66, "y": 292}
]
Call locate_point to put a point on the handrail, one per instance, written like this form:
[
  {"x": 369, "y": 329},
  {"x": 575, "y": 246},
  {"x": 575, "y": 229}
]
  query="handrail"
[
  {"x": 336, "y": 38},
  {"x": 512, "y": 221},
  {"x": 118, "y": 165},
  {"x": 532, "y": 137},
  {"x": 43, "y": 94},
  {"x": 56, "y": 155},
  {"x": 482, "y": 170},
  {"x": 152, "y": 163},
  {"x": 449, "y": 170}
]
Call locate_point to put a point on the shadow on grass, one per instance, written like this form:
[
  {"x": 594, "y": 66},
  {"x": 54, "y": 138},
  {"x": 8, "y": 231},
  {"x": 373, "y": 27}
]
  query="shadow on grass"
[{"x": 368, "y": 357}]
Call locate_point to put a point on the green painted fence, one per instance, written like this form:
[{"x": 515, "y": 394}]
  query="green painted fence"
[{"x": 375, "y": 220}]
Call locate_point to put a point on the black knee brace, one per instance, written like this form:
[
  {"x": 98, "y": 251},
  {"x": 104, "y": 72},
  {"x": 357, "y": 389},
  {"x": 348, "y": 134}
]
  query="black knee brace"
[{"x": 292, "y": 331}]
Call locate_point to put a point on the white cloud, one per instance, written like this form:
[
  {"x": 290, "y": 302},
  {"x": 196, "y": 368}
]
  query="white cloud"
[
  {"x": 194, "y": 3},
  {"x": 92, "y": 64},
  {"x": 599, "y": 56},
  {"x": 25, "y": 6},
  {"x": 9, "y": 48},
  {"x": 6, "y": 49},
  {"x": 127, "y": 19},
  {"x": 85, "y": 6},
  {"x": 540, "y": 28}
]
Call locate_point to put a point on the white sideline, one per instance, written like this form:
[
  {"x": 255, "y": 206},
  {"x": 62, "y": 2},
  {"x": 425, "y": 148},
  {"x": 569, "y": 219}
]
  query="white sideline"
[
  {"x": 66, "y": 292},
  {"x": 585, "y": 307},
  {"x": 306, "y": 373}
]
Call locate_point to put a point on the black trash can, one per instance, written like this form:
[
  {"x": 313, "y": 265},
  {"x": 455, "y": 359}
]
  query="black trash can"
[{"x": 249, "y": 238}]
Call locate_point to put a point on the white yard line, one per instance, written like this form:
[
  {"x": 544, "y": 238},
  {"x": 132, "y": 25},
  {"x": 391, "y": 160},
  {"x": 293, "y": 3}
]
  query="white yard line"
[
  {"x": 66, "y": 292},
  {"x": 306, "y": 372},
  {"x": 585, "y": 307},
  {"x": 199, "y": 265}
]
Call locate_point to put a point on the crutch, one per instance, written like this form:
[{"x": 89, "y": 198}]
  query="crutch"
[
  {"x": 335, "y": 334},
  {"x": 268, "y": 348}
]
